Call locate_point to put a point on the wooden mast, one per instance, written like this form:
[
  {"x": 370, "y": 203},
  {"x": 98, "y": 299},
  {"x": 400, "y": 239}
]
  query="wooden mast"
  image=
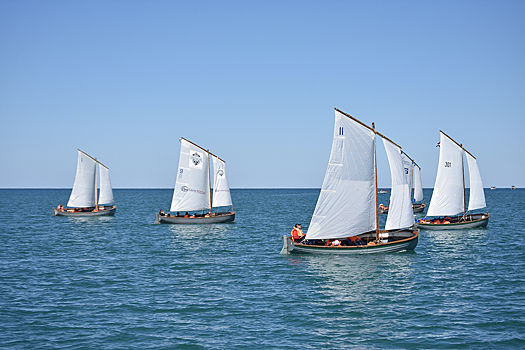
[{"x": 375, "y": 174}]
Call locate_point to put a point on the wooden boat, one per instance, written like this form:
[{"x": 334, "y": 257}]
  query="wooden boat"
[
  {"x": 85, "y": 199},
  {"x": 412, "y": 172},
  {"x": 192, "y": 192},
  {"x": 448, "y": 198},
  {"x": 346, "y": 218}
]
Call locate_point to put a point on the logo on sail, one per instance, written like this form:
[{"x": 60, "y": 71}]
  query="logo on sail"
[
  {"x": 196, "y": 159},
  {"x": 187, "y": 189},
  {"x": 220, "y": 172}
]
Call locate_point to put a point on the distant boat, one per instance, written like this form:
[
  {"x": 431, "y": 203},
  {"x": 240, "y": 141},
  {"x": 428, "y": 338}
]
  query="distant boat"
[
  {"x": 412, "y": 172},
  {"x": 346, "y": 217},
  {"x": 382, "y": 191},
  {"x": 85, "y": 199},
  {"x": 448, "y": 198},
  {"x": 192, "y": 192},
  {"x": 512, "y": 187},
  {"x": 492, "y": 187}
]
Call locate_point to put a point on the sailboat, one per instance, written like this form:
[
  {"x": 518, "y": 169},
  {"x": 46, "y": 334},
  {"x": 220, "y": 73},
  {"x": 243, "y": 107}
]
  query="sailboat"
[
  {"x": 192, "y": 192},
  {"x": 346, "y": 218},
  {"x": 85, "y": 199},
  {"x": 448, "y": 198},
  {"x": 412, "y": 172}
]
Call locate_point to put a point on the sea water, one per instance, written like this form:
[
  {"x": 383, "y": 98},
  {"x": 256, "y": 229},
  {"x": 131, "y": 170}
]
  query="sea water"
[{"x": 124, "y": 283}]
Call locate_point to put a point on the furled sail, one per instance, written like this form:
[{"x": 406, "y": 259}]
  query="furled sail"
[
  {"x": 448, "y": 195},
  {"x": 418, "y": 186},
  {"x": 106, "y": 192},
  {"x": 346, "y": 204},
  {"x": 192, "y": 187},
  {"x": 83, "y": 193},
  {"x": 400, "y": 213},
  {"x": 221, "y": 190},
  {"x": 477, "y": 196}
]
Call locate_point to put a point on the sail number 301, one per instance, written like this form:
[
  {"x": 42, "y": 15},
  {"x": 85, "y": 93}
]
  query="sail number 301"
[{"x": 448, "y": 164}]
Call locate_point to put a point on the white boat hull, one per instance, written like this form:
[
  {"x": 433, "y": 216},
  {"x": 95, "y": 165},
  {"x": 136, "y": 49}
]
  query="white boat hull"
[
  {"x": 403, "y": 244},
  {"x": 216, "y": 219},
  {"x": 101, "y": 212}
]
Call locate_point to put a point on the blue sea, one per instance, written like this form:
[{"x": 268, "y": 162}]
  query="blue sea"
[{"x": 124, "y": 283}]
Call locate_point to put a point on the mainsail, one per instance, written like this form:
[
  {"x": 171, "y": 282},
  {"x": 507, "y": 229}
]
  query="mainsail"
[
  {"x": 477, "y": 196},
  {"x": 448, "y": 196},
  {"x": 400, "y": 213},
  {"x": 106, "y": 192},
  {"x": 192, "y": 187},
  {"x": 221, "y": 190},
  {"x": 83, "y": 193},
  {"x": 347, "y": 204}
]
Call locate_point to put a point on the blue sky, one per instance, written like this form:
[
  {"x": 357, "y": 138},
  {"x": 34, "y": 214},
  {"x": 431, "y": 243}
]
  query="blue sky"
[{"x": 256, "y": 83}]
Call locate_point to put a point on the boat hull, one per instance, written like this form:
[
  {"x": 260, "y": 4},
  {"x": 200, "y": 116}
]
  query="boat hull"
[
  {"x": 418, "y": 208},
  {"x": 478, "y": 220},
  {"x": 101, "y": 212},
  {"x": 216, "y": 219},
  {"x": 408, "y": 243}
]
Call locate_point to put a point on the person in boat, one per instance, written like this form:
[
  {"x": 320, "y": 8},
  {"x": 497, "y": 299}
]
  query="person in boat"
[
  {"x": 60, "y": 207},
  {"x": 297, "y": 233},
  {"x": 178, "y": 214},
  {"x": 161, "y": 213},
  {"x": 354, "y": 240},
  {"x": 186, "y": 215},
  {"x": 335, "y": 243}
]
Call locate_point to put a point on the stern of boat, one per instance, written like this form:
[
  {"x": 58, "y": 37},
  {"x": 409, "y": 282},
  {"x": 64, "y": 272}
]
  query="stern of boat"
[
  {"x": 288, "y": 245},
  {"x": 157, "y": 219}
]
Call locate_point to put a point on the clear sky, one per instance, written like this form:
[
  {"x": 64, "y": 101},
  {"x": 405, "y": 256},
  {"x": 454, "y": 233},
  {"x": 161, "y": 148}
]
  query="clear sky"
[{"x": 256, "y": 83}]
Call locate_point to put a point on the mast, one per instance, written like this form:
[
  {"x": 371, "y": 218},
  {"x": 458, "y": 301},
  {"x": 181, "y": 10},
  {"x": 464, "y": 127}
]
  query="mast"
[
  {"x": 375, "y": 174},
  {"x": 463, "y": 171},
  {"x": 96, "y": 189},
  {"x": 209, "y": 181}
]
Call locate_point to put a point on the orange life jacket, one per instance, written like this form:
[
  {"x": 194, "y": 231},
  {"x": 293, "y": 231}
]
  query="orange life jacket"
[{"x": 297, "y": 233}]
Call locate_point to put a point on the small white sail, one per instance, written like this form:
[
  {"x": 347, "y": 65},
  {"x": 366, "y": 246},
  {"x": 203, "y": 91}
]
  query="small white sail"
[
  {"x": 418, "y": 186},
  {"x": 221, "y": 190},
  {"x": 106, "y": 192},
  {"x": 400, "y": 213},
  {"x": 83, "y": 192},
  {"x": 477, "y": 195},
  {"x": 346, "y": 204},
  {"x": 448, "y": 195},
  {"x": 192, "y": 187}
]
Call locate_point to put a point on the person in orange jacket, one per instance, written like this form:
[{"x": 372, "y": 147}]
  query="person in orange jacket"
[{"x": 297, "y": 233}]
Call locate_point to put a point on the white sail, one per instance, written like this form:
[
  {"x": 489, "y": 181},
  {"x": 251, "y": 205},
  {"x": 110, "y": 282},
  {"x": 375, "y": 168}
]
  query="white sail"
[
  {"x": 418, "y": 186},
  {"x": 400, "y": 213},
  {"x": 83, "y": 192},
  {"x": 221, "y": 190},
  {"x": 477, "y": 196},
  {"x": 408, "y": 166},
  {"x": 106, "y": 192},
  {"x": 448, "y": 195},
  {"x": 192, "y": 188},
  {"x": 346, "y": 204}
]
